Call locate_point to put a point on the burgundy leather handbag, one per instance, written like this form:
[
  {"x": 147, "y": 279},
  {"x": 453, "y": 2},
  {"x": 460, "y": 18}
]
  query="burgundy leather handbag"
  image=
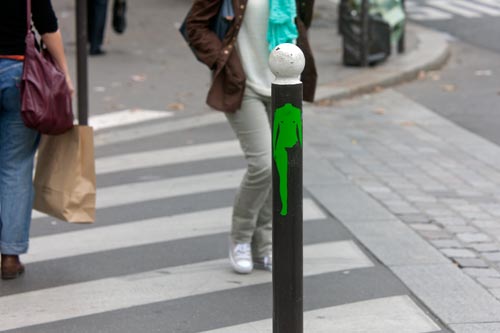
[{"x": 45, "y": 97}]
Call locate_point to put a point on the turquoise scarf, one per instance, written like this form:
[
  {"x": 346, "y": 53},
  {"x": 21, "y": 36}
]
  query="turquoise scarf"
[{"x": 282, "y": 28}]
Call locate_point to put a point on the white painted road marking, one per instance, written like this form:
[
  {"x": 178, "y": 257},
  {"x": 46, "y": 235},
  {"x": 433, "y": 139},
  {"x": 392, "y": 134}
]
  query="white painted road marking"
[
  {"x": 447, "y": 9},
  {"x": 478, "y": 7},
  {"x": 142, "y": 232},
  {"x": 94, "y": 297},
  {"x": 453, "y": 8},
  {"x": 492, "y": 3},
  {"x": 163, "y": 189},
  {"x": 165, "y": 157},
  {"x": 125, "y": 117},
  {"x": 397, "y": 314},
  {"x": 423, "y": 13},
  {"x": 142, "y": 132}
]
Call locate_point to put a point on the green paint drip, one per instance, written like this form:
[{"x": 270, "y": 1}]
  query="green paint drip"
[{"x": 287, "y": 132}]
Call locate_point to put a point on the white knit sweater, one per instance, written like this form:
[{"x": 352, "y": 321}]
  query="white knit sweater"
[{"x": 253, "y": 47}]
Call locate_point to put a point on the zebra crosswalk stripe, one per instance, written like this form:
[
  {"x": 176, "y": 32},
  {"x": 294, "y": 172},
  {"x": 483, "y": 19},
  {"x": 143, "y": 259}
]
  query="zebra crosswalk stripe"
[
  {"x": 426, "y": 13},
  {"x": 477, "y": 7},
  {"x": 118, "y": 293},
  {"x": 142, "y": 232},
  {"x": 163, "y": 189},
  {"x": 446, "y": 9},
  {"x": 87, "y": 298},
  {"x": 388, "y": 314},
  {"x": 177, "y": 125},
  {"x": 165, "y": 157},
  {"x": 491, "y": 3},
  {"x": 125, "y": 117},
  {"x": 453, "y": 8}
]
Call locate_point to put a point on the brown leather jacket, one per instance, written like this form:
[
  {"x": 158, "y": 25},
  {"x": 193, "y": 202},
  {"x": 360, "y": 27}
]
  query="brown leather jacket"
[{"x": 228, "y": 77}]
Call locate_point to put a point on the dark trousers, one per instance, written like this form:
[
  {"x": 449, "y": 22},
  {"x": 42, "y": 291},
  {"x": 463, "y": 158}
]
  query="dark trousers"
[{"x": 97, "y": 12}]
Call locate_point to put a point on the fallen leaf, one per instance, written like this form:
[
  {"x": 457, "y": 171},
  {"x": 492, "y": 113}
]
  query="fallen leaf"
[
  {"x": 354, "y": 142},
  {"x": 407, "y": 123},
  {"x": 324, "y": 102},
  {"x": 117, "y": 107},
  {"x": 378, "y": 89},
  {"x": 138, "y": 78},
  {"x": 435, "y": 76},
  {"x": 422, "y": 75},
  {"x": 184, "y": 94},
  {"x": 176, "y": 106},
  {"x": 379, "y": 111},
  {"x": 449, "y": 87}
]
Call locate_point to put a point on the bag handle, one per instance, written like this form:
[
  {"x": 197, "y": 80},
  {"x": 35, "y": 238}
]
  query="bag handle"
[{"x": 28, "y": 22}]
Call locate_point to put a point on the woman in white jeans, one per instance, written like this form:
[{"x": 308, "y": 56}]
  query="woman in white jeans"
[{"x": 241, "y": 87}]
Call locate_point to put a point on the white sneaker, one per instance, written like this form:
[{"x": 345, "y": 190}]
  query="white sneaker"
[
  {"x": 265, "y": 263},
  {"x": 241, "y": 257}
]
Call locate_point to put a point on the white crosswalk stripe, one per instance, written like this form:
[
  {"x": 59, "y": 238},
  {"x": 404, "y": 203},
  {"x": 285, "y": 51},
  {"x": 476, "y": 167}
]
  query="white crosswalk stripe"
[
  {"x": 167, "y": 157},
  {"x": 453, "y": 8},
  {"x": 448, "y": 9},
  {"x": 126, "y": 117},
  {"x": 492, "y": 3},
  {"x": 61, "y": 303},
  {"x": 160, "y": 285},
  {"x": 478, "y": 8},
  {"x": 424, "y": 13},
  {"x": 438, "y": 10},
  {"x": 140, "y": 233},
  {"x": 163, "y": 189},
  {"x": 177, "y": 125},
  {"x": 388, "y": 314}
]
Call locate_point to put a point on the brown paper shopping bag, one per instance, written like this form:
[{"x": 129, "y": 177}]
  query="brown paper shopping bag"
[{"x": 65, "y": 182}]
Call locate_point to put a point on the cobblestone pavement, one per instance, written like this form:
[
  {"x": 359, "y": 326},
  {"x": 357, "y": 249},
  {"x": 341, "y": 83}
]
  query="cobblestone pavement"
[{"x": 441, "y": 180}]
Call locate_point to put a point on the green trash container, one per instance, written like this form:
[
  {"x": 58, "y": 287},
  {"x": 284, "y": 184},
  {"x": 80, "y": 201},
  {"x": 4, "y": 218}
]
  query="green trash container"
[{"x": 370, "y": 28}]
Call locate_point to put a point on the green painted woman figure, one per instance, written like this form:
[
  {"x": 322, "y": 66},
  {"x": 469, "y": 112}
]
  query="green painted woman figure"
[{"x": 287, "y": 132}]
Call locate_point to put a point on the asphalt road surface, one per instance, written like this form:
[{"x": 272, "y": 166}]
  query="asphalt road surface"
[{"x": 467, "y": 90}]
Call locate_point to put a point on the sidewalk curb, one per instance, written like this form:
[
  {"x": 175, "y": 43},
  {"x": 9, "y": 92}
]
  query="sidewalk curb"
[{"x": 432, "y": 53}]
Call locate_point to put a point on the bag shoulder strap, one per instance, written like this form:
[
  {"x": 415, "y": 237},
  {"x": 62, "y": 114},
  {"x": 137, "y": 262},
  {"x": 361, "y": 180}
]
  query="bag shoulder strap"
[{"x": 28, "y": 16}]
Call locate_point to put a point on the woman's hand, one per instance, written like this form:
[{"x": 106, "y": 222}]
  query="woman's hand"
[{"x": 69, "y": 82}]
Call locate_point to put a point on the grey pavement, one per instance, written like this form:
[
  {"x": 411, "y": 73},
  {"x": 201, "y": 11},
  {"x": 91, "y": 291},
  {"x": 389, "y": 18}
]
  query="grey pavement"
[
  {"x": 406, "y": 202},
  {"x": 466, "y": 91},
  {"x": 417, "y": 191}
]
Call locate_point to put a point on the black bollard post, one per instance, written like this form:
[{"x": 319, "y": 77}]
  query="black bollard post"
[
  {"x": 81, "y": 61},
  {"x": 287, "y": 62}
]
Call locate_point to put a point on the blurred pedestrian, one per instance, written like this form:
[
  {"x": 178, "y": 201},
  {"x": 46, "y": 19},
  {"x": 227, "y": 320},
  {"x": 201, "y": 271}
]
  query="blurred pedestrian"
[
  {"x": 241, "y": 87},
  {"x": 97, "y": 11},
  {"x": 17, "y": 142}
]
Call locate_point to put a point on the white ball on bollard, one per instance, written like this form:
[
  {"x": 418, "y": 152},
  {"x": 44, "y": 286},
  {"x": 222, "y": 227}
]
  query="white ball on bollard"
[{"x": 287, "y": 62}]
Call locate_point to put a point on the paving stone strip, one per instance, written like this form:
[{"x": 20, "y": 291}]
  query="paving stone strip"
[{"x": 426, "y": 171}]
